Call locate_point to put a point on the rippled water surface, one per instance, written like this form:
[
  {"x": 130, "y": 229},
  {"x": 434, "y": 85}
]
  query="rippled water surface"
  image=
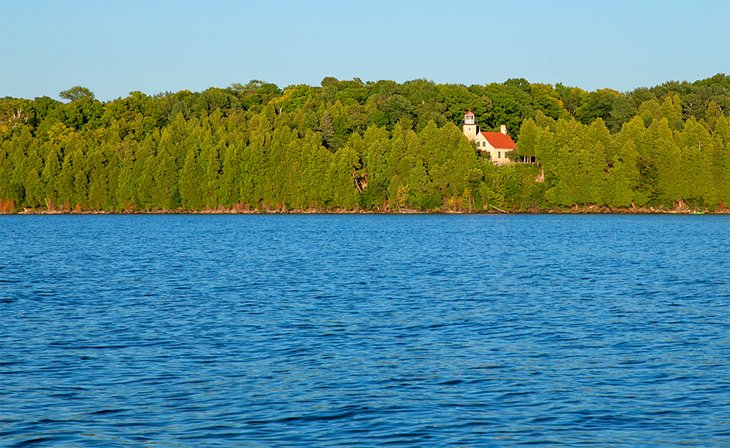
[{"x": 364, "y": 330}]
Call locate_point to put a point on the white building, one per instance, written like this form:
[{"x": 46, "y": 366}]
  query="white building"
[{"x": 497, "y": 144}]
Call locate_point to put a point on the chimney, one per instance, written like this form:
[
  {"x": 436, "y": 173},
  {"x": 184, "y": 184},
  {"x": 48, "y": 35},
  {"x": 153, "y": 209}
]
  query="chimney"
[{"x": 503, "y": 129}]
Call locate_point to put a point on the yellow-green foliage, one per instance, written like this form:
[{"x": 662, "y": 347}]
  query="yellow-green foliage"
[{"x": 367, "y": 146}]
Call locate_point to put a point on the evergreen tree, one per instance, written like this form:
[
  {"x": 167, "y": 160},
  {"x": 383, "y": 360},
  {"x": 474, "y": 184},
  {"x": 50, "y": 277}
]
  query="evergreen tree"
[{"x": 369, "y": 145}]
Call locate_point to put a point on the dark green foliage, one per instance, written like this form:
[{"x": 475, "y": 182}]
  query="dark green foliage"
[
  {"x": 76, "y": 93},
  {"x": 367, "y": 145}
]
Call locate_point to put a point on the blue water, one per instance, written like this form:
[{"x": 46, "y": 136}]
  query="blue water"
[{"x": 364, "y": 330}]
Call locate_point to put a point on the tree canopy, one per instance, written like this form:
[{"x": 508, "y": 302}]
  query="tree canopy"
[
  {"x": 349, "y": 144},
  {"x": 76, "y": 93}
]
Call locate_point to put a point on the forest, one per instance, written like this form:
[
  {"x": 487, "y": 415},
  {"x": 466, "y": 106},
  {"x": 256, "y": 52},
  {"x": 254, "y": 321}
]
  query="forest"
[{"x": 349, "y": 145}]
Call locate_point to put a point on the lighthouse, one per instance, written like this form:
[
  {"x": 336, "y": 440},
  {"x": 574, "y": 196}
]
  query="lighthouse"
[{"x": 470, "y": 127}]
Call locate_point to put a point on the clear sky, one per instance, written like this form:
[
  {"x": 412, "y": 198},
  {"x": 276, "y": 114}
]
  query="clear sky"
[{"x": 115, "y": 46}]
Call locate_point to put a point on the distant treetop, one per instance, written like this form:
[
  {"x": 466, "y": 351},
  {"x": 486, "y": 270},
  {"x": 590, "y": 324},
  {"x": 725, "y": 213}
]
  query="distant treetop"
[{"x": 76, "y": 93}]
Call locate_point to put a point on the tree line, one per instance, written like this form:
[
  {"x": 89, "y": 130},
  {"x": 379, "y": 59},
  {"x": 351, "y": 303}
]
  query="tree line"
[{"x": 353, "y": 145}]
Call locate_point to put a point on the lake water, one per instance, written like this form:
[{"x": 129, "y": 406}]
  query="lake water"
[{"x": 364, "y": 330}]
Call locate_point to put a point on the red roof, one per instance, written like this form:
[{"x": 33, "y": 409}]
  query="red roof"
[{"x": 499, "y": 140}]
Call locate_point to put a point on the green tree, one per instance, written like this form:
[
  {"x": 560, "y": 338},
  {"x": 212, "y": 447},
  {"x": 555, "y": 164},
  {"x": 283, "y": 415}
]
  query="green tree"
[
  {"x": 721, "y": 138},
  {"x": 369, "y": 145},
  {"x": 98, "y": 189},
  {"x": 191, "y": 177},
  {"x": 598, "y": 104},
  {"x": 76, "y": 93},
  {"x": 697, "y": 181}
]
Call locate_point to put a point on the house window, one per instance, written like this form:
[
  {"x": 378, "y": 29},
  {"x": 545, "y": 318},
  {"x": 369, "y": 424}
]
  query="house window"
[
  {"x": 499, "y": 155},
  {"x": 484, "y": 144}
]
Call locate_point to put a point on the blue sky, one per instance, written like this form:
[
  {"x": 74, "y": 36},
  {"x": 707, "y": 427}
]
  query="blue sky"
[{"x": 115, "y": 46}]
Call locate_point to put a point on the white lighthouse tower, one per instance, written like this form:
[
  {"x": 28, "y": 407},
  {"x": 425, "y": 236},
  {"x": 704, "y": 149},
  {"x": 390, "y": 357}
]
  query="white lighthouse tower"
[{"x": 470, "y": 127}]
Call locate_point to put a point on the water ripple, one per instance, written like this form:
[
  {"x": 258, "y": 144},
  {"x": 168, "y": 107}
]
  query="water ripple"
[{"x": 364, "y": 330}]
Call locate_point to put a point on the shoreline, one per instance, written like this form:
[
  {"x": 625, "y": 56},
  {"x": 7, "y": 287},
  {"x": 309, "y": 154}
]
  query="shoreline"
[{"x": 589, "y": 210}]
